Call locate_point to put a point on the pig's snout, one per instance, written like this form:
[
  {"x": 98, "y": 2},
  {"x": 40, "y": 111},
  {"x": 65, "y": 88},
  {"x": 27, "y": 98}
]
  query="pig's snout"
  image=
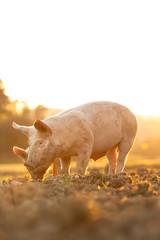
[{"x": 27, "y": 165}]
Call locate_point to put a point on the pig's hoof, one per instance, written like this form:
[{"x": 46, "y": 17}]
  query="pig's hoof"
[{"x": 123, "y": 173}]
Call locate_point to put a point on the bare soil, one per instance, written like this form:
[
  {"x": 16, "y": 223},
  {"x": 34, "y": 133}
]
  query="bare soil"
[{"x": 97, "y": 206}]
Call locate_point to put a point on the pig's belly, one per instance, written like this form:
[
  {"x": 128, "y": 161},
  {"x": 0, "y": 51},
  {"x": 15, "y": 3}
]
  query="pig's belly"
[
  {"x": 96, "y": 156},
  {"x": 103, "y": 145}
]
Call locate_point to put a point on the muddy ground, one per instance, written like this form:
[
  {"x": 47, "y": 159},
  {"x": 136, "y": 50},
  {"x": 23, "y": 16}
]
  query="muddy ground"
[{"x": 97, "y": 206}]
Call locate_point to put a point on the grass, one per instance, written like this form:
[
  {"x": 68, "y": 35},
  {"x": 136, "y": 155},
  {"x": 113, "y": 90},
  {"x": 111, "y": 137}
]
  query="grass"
[
  {"x": 11, "y": 170},
  {"x": 16, "y": 168}
]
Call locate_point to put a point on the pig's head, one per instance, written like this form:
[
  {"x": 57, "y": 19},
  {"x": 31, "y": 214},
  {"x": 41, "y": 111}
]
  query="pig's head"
[
  {"x": 35, "y": 172},
  {"x": 39, "y": 155}
]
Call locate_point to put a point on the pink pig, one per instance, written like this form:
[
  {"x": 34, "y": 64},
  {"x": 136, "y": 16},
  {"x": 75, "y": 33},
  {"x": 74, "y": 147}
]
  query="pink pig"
[{"x": 92, "y": 130}]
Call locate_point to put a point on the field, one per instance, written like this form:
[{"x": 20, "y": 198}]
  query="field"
[{"x": 97, "y": 206}]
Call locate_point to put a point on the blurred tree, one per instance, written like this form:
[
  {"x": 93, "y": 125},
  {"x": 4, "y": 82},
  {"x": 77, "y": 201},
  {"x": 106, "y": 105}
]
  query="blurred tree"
[
  {"x": 9, "y": 112},
  {"x": 40, "y": 112},
  {"x": 4, "y": 102}
]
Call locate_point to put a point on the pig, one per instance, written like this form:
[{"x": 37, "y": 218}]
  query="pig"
[{"x": 89, "y": 131}]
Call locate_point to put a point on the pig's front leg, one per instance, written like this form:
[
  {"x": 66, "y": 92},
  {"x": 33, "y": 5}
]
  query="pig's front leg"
[
  {"x": 66, "y": 165},
  {"x": 57, "y": 167},
  {"x": 82, "y": 163}
]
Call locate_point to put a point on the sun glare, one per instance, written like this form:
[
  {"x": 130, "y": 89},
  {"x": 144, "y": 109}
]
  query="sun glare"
[
  {"x": 136, "y": 107},
  {"x": 108, "y": 54},
  {"x": 139, "y": 109},
  {"x": 20, "y": 106}
]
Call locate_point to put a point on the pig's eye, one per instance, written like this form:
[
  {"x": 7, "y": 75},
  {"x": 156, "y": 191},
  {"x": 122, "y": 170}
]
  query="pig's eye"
[{"x": 39, "y": 143}]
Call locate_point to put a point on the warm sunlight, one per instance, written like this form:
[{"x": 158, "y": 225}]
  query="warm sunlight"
[
  {"x": 81, "y": 52},
  {"x": 20, "y": 106},
  {"x": 92, "y": 172},
  {"x": 66, "y": 98}
]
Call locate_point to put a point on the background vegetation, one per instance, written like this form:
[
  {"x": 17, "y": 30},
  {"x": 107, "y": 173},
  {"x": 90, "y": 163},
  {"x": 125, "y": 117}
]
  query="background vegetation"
[
  {"x": 20, "y": 113},
  {"x": 147, "y": 144}
]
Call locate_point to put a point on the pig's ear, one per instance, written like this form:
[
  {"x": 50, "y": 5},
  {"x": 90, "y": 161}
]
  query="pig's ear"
[
  {"x": 23, "y": 129},
  {"x": 42, "y": 127},
  {"x": 20, "y": 153}
]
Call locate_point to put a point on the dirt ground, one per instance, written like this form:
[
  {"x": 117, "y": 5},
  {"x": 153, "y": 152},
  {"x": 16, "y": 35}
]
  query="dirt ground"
[{"x": 97, "y": 206}]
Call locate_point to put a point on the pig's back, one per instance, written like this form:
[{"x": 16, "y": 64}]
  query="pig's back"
[{"x": 109, "y": 123}]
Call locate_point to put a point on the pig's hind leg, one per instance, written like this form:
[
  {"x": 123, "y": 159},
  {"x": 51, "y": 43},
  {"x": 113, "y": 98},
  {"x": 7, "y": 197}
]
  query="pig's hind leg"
[
  {"x": 124, "y": 148},
  {"x": 112, "y": 158}
]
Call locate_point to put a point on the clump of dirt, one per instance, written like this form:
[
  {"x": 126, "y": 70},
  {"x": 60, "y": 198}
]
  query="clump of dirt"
[
  {"x": 96, "y": 206},
  {"x": 117, "y": 180}
]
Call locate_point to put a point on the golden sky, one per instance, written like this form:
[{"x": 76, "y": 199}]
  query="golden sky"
[{"x": 65, "y": 53}]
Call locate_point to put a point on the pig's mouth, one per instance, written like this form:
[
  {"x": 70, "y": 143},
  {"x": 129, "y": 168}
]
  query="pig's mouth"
[
  {"x": 38, "y": 171},
  {"x": 29, "y": 166}
]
